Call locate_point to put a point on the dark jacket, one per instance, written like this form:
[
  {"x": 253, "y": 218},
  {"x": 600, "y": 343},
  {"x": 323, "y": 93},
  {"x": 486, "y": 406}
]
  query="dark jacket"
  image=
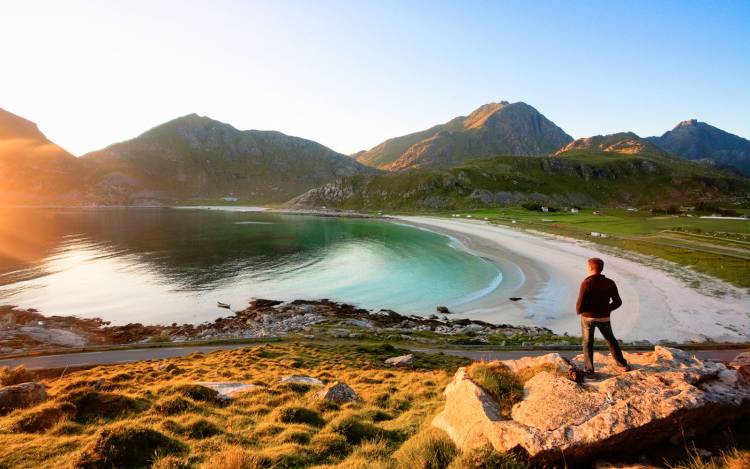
[{"x": 597, "y": 297}]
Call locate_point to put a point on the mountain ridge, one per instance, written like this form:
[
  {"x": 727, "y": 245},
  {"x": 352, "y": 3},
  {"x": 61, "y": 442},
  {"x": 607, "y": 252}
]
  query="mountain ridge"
[
  {"x": 623, "y": 143},
  {"x": 580, "y": 178},
  {"x": 197, "y": 156},
  {"x": 492, "y": 129},
  {"x": 699, "y": 141}
]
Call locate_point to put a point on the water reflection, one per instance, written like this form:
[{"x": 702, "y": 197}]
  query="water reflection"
[{"x": 159, "y": 265}]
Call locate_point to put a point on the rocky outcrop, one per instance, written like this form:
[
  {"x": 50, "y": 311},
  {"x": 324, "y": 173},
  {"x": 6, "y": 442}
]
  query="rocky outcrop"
[
  {"x": 403, "y": 360},
  {"x": 261, "y": 319},
  {"x": 20, "y": 396},
  {"x": 667, "y": 392},
  {"x": 297, "y": 379},
  {"x": 229, "y": 389},
  {"x": 337, "y": 393}
]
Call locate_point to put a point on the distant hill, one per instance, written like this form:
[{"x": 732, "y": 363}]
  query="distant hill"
[
  {"x": 198, "y": 157},
  {"x": 623, "y": 143},
  {"x": 493, "y": 129},
  {"x": 699, "y": 141},
  {"x": 580, "y": 178},
  {"x": 33, "y": 169}
]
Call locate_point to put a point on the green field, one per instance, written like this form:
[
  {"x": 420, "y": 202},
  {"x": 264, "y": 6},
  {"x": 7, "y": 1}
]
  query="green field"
[{"x": 720, "y": 248}]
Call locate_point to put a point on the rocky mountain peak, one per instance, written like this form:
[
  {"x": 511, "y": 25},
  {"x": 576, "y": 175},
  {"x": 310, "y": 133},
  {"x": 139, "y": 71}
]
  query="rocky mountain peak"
[
  {"x": 479, "y": 117},
  {"x": 687, "y": 123}
]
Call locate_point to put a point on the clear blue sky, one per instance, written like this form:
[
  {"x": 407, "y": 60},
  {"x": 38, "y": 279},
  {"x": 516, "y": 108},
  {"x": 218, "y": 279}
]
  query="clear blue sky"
[{"x": 351, "y": 74}]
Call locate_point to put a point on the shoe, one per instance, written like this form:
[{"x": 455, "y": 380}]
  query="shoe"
[
  {"x": 625, "y": 368},
  {"x": 589, "y": 374}
]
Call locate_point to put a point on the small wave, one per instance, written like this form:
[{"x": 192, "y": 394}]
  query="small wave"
[
  {"x": 475, "y": 295},
  {"x": 253, "y": 223}
]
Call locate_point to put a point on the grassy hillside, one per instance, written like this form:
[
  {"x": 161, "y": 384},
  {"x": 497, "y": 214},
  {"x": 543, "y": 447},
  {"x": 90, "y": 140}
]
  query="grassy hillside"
[
  {"x": 154, "y": 414},
  {"x": 197, "y": 157},
  {"x": 577, "y": 178}
]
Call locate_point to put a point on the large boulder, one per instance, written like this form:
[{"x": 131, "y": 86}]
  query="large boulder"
[
  {"x": 21, "y": 395},
  {"x": 229, "y": 389},
  {"x": 338, "y": 393},
  {"x": 403, "y": 360},
  {"x": 299, "y": 379},
  {"x": 668, "y": 391}
]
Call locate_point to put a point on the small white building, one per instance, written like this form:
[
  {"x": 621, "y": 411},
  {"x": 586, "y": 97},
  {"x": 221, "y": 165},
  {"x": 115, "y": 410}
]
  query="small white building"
[
  {"x": 545, "y": 209},
  {"x": 574, "y": 210}
]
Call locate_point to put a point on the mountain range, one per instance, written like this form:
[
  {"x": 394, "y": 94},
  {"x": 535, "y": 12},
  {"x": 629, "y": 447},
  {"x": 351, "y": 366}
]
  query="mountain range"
[
  {"x": 500, "y": 153},
  {"x": 191, "y": 157}
]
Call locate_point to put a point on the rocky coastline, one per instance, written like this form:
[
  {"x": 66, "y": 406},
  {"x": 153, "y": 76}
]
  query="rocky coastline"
[{"x": 23, "y": 331}]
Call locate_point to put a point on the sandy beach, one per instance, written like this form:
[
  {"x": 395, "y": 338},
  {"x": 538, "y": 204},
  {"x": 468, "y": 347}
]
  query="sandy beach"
[{"x": 546, "y": 271}]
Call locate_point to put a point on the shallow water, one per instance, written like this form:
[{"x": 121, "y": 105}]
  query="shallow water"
[{"x": 169, "y": 265}]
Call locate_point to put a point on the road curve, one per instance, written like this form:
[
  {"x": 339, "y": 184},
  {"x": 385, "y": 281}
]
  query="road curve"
[{"x": 110, "y": 357}]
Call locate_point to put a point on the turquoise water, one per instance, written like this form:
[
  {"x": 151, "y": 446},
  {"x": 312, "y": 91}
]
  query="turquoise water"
[{"x": 174, "y": 265}]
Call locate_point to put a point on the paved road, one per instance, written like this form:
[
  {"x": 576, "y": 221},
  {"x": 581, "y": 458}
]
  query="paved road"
[
  {"x": 723, "y": 355},
  {"x": 107, "y": 357}
]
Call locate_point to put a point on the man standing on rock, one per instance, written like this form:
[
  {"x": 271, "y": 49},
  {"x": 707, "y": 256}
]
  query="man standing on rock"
[{"x": 597, "y": 298}]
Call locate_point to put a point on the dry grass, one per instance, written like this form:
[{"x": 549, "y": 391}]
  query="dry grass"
[
  {"x": 733, "y": 458},
  {"x": 17, "y": 375},
  {"x": 499, "y": 382},
  {"x": 93, "y": 417}
]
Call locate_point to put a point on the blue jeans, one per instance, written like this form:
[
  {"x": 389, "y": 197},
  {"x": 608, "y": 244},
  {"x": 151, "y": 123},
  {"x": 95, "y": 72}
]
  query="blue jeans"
[{"x": 587, "y": 334}]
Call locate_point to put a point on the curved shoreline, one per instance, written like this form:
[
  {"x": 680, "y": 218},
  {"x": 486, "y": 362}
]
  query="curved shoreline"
[{"x": 546, "y": 272}]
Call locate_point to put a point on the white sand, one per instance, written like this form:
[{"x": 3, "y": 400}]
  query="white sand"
[{"x": 546, "y": 272}]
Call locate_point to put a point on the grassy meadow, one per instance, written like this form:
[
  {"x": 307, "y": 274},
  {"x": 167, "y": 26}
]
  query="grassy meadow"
[
  {"x": 152, "y": 414},
  {"x": 720, "y": 248}
]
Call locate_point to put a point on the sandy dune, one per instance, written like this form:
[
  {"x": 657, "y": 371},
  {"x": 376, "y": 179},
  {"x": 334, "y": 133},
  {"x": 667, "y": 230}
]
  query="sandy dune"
[{"x": 546, "y": 271}]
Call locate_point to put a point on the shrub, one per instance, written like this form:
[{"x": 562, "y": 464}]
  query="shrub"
[
  {"x": 326, "y": 444},
  {"x": 10, "y": 376},
  {"x": 294, "y": 414},
  {"x": 161, "y": 337},
  {"x": 295, "y": 435},
  {"x": 499, "y": 382},
  {"x": 486, "y": 458},
  {"x": 173, "y": 405},
  {"x": 95, "y": 404},
  {"x": 235, "y": 457},
  {"x": 171, "y": 462},
  {"x": 354, "y": 429},
  {"x": 429, "y": 449},
  {"x": 733, "y": 458},
  {"x": 377, "y": 415},
  {"x": 201, "y": 428},
  {"x": 41, "y": 419},
  {"x": 197, "y": 392},
  {"x": 127, "y": 447}
]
